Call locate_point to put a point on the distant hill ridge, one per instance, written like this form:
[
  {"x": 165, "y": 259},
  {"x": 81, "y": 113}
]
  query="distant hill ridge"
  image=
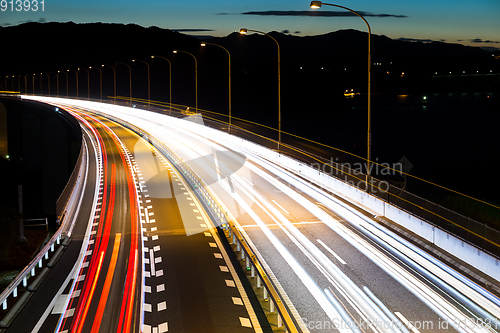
[{"x": 45, "y": 46}]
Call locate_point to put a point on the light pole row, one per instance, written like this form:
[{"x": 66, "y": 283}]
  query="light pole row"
[{"x": 243, "y": 31}]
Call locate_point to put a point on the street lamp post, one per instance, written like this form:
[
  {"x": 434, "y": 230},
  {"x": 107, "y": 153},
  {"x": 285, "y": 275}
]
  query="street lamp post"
[
  {"x": 100, "y": 80},
  {"x": 130, "y": 80},
  {"x": 57, "y": 81},
  {"x": 25, "y": 84},
  {"x": 149, "y": 82},
  {"x": 229, "y": 59},
  {"x": 318, "y": 4},
  {"x": 67, "y": 93},
  {"x": 244, "y": 31},
  {"x": 41, "y": 83},
  {"x": 114, "y": 80},
  {"x": 76, "y": 80},
  {"x": 170, "y": 78},
  {"x": 88, "y": 82},
  {"x": 195, "y": 75},
  {"x": 48, "y": 81},
  {"x": 33, "y": 77}
]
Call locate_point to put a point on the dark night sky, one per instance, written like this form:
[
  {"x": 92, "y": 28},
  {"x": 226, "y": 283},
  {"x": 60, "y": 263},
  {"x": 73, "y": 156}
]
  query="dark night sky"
[{"x": 458, "y": 21}]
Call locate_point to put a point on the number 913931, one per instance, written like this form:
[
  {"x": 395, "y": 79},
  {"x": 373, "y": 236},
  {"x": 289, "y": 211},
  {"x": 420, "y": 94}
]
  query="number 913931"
[{"x": 22, "y": 5}]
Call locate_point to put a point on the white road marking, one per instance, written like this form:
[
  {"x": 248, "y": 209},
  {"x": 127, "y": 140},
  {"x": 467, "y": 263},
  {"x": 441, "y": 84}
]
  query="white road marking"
[
  {"x": 245, "y": 322},
  {"x": 249, "y": 182},
  {"x": 162, "y": 328},
  {"x": 160, "y": 287},
  {"x": 230, "y": 283},
  {"x": 237, "y": 301},
  {"x": 406, "y": 322},
  {"x": 69, "y": 313},
  {"x": 162, "y": 306},
  {"x": 283, "y": 209},
  {"x": 152, "y": 262},
  {"x": 331, "y": 251},
  {"x": 60, "y": 304}
]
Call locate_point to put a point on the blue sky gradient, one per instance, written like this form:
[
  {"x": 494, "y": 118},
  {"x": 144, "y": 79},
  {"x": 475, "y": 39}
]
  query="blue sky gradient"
[{"x": 467, "y": 22}]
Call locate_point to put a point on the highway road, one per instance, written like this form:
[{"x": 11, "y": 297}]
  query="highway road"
[
  {"x": 150, "y": 259},
  {"x": 336, "y": 263}
]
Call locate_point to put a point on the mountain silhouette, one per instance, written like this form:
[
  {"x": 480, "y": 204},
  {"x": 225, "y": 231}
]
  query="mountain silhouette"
[{"x": 315, "y": 70}]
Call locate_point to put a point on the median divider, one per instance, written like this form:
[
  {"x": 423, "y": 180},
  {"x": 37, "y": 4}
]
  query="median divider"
[{"x": 285, "y": 321}]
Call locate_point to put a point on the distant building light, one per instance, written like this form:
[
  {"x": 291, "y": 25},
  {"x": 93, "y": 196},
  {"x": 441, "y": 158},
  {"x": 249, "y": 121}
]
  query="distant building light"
[{"x": 464, "y": 72}]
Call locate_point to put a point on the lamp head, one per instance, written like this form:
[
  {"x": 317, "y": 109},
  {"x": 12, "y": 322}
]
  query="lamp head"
[
  {"x": 175, "y": 51},
  {"x": 203, "y": 44},
  {"x": 152, "y": 57},
  {"x": 243, "y": 31},
  {"x": 133, "y": 60},
  {"x": 316, "y": 4}
]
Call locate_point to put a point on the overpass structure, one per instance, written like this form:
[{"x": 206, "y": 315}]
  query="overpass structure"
[{"x": 169, "y": 192}]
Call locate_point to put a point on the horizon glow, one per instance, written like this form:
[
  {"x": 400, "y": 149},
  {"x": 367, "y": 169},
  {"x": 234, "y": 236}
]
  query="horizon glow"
[{"x": 469, "y": 23}]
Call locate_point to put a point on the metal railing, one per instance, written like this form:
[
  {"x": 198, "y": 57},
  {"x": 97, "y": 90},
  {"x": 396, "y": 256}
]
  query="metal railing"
[
  {"x": 212, "y": 206},
  {"x": 471, "y": 231},
  {"x": 479, "y": 234},
  {"x": 29, "y": 279}
]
